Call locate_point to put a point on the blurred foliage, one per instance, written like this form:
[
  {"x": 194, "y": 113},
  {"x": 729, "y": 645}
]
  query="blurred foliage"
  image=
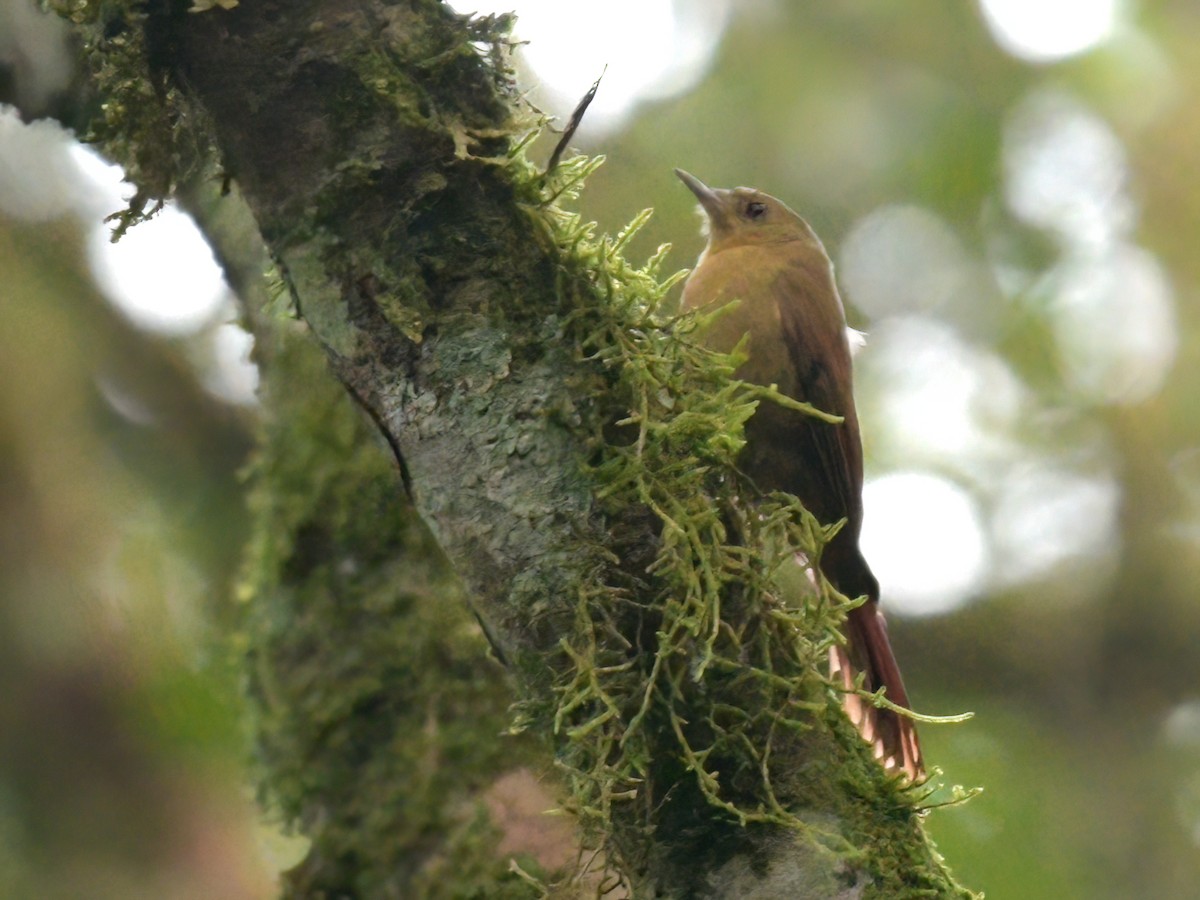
[
  {"x": 120, "y": 748},
  {"x": 119, "y": 735}
]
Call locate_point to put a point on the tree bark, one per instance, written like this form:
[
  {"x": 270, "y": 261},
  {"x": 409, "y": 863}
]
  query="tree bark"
[{"x": 374, "y": 144}]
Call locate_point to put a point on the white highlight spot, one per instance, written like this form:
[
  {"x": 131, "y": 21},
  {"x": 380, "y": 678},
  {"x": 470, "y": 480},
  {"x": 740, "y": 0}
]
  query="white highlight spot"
[
  {"x": 937, "y": 398},
  {"x": 123, "y": 402},
  {"x": 1114, "y": 319},
  {"x": 924, "y": 540},
  {"x": 1065, "y": 170},
  {"x": 1047, "y": 30},
  {"x": 40, "y": 178},
  {"x": 107, "y": 191},
  {"x": 652, "y": 48},
  {"x": 901, "y": 259},
  {"x": 161, "y": 274},
  {"x": 1181, "y": 727},
  {"x": 233, "y": 376},
  {"x": 1047, "y": 516}
]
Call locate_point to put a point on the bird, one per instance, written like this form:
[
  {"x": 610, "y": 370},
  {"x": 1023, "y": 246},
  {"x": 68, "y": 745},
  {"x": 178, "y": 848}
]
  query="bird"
[{"x": 769, "y": 260}]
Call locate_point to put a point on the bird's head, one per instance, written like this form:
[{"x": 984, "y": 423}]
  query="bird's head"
[{"x": 739, "y": 216}]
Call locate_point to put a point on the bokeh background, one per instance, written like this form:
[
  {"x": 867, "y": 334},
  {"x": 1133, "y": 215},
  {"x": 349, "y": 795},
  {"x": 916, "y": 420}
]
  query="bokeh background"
[{"x": 1010, "y": 192}]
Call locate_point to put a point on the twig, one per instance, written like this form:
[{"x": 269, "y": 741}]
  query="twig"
[{"x": 576, "y": 118}]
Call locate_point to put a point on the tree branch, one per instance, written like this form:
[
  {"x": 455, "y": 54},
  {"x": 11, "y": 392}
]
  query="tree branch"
[{"x": 626, "y": 575}]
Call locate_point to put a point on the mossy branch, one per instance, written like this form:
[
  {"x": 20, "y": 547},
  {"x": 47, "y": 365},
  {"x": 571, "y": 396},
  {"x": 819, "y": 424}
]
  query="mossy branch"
[{"x": 570, "y": 445}]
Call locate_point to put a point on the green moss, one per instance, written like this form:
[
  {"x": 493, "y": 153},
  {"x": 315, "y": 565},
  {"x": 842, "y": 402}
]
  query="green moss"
[
  {"x": 689, "y": 703},
  {"x": 324, "y": 307},
  {"x": 379, "y": 712},
  {"x": 143, "y": 120},
  {"x": 700, "y": 682}
]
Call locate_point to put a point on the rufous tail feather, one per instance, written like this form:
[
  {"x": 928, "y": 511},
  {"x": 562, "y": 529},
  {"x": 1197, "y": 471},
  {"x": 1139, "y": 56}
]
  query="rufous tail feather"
[{"x": 892, "y": 735}]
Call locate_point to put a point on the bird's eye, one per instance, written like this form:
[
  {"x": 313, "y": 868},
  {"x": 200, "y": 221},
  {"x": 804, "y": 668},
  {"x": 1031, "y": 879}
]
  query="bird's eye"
[{"x": 756, "y": 210}]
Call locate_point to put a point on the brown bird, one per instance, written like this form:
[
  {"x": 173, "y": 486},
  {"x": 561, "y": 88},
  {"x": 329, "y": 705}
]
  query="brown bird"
[{"x": 764, "y": 255}]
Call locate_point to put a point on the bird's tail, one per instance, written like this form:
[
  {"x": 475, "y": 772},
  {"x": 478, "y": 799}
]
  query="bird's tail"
[{"x": 868, "y": 651}]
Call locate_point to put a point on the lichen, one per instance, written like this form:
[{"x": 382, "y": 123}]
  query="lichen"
[
  {"x": 378, "y": 713},
  {"x": 688, "y": 705}
]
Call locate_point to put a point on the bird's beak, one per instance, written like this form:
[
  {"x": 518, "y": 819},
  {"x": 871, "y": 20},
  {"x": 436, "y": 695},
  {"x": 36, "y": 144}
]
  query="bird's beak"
[{"x": 710, "y": 200}]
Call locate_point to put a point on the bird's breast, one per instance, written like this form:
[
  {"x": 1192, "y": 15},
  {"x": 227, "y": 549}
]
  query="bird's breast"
[{"x": 741, "y": 283}]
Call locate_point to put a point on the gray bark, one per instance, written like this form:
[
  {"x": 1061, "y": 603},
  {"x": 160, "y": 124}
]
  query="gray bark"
[{"x": 370, "y": 140}]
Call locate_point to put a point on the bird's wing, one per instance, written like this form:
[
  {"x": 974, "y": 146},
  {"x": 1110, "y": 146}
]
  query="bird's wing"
[
  {"x": 813, "y": 327},
  {"x": 829, "y": 482}
]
